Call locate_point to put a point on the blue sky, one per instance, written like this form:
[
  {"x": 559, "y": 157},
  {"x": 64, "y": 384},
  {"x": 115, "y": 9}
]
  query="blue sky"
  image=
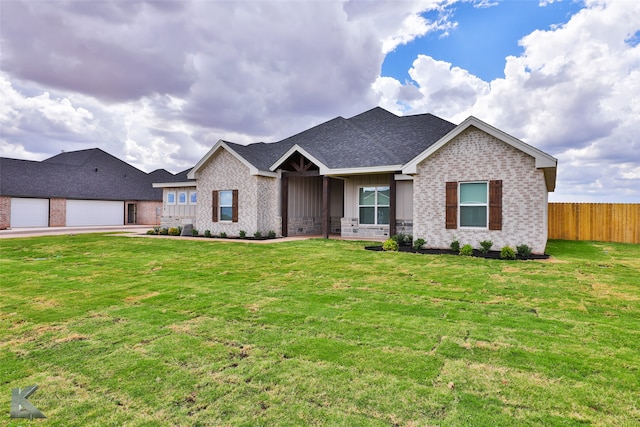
[
  {"x": 483, "y": 38},
  {"x": 157, "y": 83}
]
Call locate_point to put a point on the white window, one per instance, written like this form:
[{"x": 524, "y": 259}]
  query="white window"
[
  {"x": 373, "y": 205},
  {"x": 473, "y": 204},
  {"x": 171, "y": 197},
  {"x": 226, "y": 205},
  {"x": 182, "y": 197},
  {"x": 193, "y": 197}
]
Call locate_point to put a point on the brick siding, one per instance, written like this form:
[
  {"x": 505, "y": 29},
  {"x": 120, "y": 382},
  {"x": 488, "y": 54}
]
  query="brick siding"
[
  {"x": 257, "y": 197},
  {"x": 57, "y": 212},
  {"x": 477, "y": 156},
  {"x": 5, "y": 212}
]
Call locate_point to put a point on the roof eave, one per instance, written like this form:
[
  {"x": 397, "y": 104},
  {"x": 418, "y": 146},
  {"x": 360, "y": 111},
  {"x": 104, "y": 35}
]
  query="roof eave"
[
  {"x": 305, "y": 153},
  {"x": 193, "y": 173},
  {"x": 368, "y": 170},
  {"x": 173, "y": 184},
  {"x": 542, "y": 160}
]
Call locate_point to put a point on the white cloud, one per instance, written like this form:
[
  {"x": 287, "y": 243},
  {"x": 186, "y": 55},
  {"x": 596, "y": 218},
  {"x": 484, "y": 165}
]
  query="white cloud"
[
  {"x": 158, "y": 83},
  {"x": 574, "y": 92}
]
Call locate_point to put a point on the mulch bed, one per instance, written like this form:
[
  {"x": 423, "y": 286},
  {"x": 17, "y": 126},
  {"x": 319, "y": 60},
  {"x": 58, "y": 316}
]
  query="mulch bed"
[{"x": 434, "y": 251}]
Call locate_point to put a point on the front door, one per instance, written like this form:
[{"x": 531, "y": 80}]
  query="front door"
[{"x": 131, "y": 213}]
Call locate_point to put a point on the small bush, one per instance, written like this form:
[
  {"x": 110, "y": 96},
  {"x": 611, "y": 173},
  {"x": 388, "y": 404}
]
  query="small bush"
[
  {"x": 486, "y": 246},
  {"x": 390, "y": 245},
  {"x": 455, "y": 246},
  {"x": 524, "y": 251},
  {"x": 271, "y": 234},
  {"x": 243, "y": 234},
  {"x": 151, "y": 232},
  {"x": 223, "y": 235},
  {"x": 207, "y": 233},
  {"x": 402, "y": 239},
  {"x": 194, "y": 232},
  {"x": 257, "y": 235},
  {"x": 164, "y": 231},
  {"x": 418, "y": 244},
  {"x": 466, "y": 250},
  {"x": 174, "y": 231},
  {"x": 507, "y": 252}
]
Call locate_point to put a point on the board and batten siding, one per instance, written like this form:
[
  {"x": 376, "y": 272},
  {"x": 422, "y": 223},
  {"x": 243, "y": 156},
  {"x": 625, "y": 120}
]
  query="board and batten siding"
[
  {"x": 176, "y": 210},
  {"x": 404, "y": 194},
  {"x": 350, "y": 226},
  {"x": 305, "y": 197}
]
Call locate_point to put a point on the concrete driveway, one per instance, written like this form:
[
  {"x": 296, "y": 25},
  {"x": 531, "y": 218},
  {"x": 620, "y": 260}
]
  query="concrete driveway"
[{"x": 51, "y": 231}]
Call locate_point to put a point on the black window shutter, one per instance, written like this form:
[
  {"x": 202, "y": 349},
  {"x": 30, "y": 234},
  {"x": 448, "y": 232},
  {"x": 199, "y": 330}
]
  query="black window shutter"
[
  {"x": 214, "y": 206},
  {"x": 451, "y": 206},
  {"x": 234, "y": 206},
  {"x": 495, "y": 205}
]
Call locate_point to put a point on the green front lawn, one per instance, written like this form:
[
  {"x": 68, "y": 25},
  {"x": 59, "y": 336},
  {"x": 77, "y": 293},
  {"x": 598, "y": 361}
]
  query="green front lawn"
[{"x": 147, "y": 331}]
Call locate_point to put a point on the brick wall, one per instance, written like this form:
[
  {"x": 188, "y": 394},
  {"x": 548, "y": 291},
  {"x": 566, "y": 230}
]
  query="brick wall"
[
  {"x": 57, "y": 212},
  {"x": 5, "y": 212},
  {"x": 146, "y": 212},
  {"x": 257, "y": 197},
  {"x": 477, "y": 156}
]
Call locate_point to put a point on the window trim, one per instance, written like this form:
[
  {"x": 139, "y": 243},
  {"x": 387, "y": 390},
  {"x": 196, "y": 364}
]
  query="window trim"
[
  {"x": 180, "y": 200},
  {"x": 485, "y": 205},
  {"x": 220, "y": 205},
  {"x": 375, "y": 206},
  {"x": 171, "y": 195},
  {"x": 191, "y": 195}
]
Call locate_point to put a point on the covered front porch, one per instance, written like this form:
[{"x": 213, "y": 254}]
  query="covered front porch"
[{"x": 315, "y": 204}]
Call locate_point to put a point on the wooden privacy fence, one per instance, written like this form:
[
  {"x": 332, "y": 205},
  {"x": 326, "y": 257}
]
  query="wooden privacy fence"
[{"x": 606, "y": 222}]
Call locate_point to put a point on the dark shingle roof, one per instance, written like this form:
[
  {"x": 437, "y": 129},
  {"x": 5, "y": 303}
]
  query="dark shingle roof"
[
  {"x": 374, "y": 138},
  {"x": 86, "y": 174}
]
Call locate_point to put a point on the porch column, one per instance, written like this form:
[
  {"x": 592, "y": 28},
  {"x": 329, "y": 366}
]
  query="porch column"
[
  {"x": 326, "y": 206},
  {"x": 284, "y": 204},
  {"x": 392, "y": 205}
]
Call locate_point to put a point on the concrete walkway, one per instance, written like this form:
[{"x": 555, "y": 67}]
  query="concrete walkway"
[{"x": 141, "y": 231}]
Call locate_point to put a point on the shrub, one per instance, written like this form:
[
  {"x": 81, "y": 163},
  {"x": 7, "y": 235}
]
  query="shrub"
[
  {"x": 194, "y": 232},
  {"x": 418, "y": 244},
  {"x": 486, "y": 246},
  {"x": 271, "y": 234},
  {"x": 164, "y": 231},
  {"x": 455, "y": 246},
  {"x": 390, "y": 245},
  {"x": 507, "y": 252},
  {"x": 524, "y": 251},
  {"x": 402, "y": 239},
  {"x": 223, "y": 235},
  {"x": 174, "y": 231},
  {"x": 243, "y": 234},
  {"x": 257, "y": 235},
  {"x": 207, "y": 233},
  {"x": 466, "y": 250},
  {"x": 151, "y": 232}
]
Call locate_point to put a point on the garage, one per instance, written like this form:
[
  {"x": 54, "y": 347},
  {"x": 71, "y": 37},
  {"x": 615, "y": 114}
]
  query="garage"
[
  {"x": 94, "y": 212},
  {"x": 29, "y": 212}
]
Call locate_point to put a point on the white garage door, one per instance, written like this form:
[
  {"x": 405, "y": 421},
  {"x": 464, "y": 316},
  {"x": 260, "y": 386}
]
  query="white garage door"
[
  {"x": 94, "y": 212},
  {"x": 29, "y": 212}
]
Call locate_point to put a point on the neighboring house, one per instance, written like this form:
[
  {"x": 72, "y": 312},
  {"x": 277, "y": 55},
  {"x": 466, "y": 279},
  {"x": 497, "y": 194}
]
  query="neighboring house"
[
  {"x": 375, "y": 175},
  {"x": 78, "y": 188}
]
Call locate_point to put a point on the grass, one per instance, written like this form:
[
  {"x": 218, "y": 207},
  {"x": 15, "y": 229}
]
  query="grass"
[{"x": 148, "y": 331}]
